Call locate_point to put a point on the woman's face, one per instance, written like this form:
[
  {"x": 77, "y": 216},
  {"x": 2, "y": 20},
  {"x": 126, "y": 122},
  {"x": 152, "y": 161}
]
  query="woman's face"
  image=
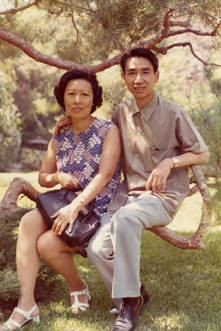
[{"x": 78, "y": 98}]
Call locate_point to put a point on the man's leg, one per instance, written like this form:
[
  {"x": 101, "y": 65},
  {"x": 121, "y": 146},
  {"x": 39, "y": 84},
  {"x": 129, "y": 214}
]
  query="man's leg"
[
  {"x": 127, "y": 224},
  {"x": 100, "y": 251},
  {"x": 101, "y": 254}
]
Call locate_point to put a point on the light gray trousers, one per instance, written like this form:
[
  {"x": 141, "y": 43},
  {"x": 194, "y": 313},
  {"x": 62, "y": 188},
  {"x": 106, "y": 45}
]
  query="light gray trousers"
[{"x": 115, "y": 248}]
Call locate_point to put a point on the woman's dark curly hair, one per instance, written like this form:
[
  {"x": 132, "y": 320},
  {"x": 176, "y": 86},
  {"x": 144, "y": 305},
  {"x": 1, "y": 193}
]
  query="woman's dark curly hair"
[{"x": 79, "y": 74}]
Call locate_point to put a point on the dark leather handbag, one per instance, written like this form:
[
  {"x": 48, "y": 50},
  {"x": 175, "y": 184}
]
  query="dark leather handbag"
[{"x": 85, "y": 225}]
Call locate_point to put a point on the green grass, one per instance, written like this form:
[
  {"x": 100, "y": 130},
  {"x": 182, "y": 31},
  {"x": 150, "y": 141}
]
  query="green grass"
[{"x": 185, "y": 285}]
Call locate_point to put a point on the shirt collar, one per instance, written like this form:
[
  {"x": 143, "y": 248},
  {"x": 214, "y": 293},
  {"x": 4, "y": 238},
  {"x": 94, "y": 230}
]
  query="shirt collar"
[{"x": 146, "y": 111}]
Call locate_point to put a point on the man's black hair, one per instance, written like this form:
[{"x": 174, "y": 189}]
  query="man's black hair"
[
  {"x": 139, "y": 52},
  {"x": 79, "y": 74}
]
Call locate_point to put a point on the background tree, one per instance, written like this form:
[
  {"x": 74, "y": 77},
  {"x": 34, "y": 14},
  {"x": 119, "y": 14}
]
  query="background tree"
[{"x": 10, "y": 125}]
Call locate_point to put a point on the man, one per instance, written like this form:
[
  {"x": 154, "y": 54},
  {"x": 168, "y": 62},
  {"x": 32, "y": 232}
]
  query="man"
[{"x": 159, "y": 142}]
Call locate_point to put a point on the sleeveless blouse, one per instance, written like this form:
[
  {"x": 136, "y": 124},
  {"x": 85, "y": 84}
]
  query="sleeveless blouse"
[{"x": 79, "y": 154}]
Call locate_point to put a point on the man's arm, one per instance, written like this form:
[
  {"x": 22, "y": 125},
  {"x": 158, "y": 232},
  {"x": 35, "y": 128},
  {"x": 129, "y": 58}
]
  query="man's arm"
[
  {"x": 158, "y": 177},
  {"x": 63, "y": 121}
]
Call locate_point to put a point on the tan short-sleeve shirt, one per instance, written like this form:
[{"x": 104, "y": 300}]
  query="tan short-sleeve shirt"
[{"x": 160, "y": 130}]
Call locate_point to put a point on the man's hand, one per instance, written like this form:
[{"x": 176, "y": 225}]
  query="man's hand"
[
  {"x": 158, "y": 177},
  {"x": 65, "y": 120},
  {"x": 67, "y": 181}
]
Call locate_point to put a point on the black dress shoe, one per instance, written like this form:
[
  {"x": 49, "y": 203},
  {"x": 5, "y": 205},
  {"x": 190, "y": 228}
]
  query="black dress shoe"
[
  {"x": 143, "y": 292},
  {"x": 128, "y": 316}
]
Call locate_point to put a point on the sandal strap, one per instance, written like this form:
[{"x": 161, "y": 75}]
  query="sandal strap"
[
  {"x": 10, "y": 323},
  {"x": 25, "y": 313},
  {"x": 76, "y": 293},
  {"x": 79, "y": 305}
]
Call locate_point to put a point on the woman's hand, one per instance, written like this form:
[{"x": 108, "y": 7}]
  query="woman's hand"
[
  {"x": 67, "y": 181},
  {"x": 61, "y": 122},
  {"x": 63, "y": 217}
]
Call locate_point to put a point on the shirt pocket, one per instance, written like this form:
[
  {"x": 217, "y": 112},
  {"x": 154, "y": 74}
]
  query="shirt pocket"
[
  {"x": 157, "y": 150},
  {"x": 158, "y": 153}
]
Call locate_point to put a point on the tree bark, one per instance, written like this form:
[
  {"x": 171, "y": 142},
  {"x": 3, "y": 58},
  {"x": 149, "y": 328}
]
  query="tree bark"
[
  {"x": 165, "y": 32},
  {"x": 20, "y": 186}
]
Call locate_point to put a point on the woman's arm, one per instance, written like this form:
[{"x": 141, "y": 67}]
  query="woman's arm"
[
  {"x": 48, "y": 173},
  {"x": 49, "y": 176},
  {"x": 108, "y": 164}
]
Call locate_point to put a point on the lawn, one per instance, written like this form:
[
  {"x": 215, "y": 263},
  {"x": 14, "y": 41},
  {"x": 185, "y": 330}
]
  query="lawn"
[{"x": 185, "y": 285}]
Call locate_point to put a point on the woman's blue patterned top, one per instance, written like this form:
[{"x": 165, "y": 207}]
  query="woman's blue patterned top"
[{"x": 79, "y": 154}]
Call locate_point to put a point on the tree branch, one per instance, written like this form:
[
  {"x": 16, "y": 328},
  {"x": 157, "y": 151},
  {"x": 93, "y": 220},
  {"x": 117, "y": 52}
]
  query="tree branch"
[
  {"x": 166, "y": 19},
  {"x": 62, "y": 64},
  {"x": 16, "y": 10},
  {"x": 21, "y": 186},
  {"x": 77, "y": 7},
  {"x": 18, "y": 186},
  {"x": 194, "y": 241},
  {"x": 163, "y": 50},
  {"x": 190, "y": 30},
  {"x": 166, "y": 33},
  {"x": 150, "y": 44},
  {"x": 76, "y": 28}
]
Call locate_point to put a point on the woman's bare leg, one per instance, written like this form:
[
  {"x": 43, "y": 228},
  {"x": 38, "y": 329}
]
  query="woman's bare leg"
[
  {"x": 58, "y": 255},
  {"x": 27, "y": 258},
  {"x": 31, "y": 227}
]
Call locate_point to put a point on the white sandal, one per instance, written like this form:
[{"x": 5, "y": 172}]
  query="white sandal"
[
  {"x": 77, "y": 305},
  {"x": 11, "y": 323}
]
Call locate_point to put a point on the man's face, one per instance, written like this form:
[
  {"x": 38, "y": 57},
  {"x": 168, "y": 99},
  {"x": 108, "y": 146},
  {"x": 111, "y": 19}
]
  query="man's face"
[{"x": 140, "y": 79}]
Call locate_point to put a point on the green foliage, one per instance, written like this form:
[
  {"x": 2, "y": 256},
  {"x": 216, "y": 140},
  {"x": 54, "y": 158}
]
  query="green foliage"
[
  {"x": 31, "y": 159},
  {"x": 8, "y": 285},
  {"x": 35, "y": 100},
  {"x": 119, "y": 24},
  {"x": 10, "y": 135},
  {"x": 27, "y": 109},
  {"x": 8, "y": 278},
  {"x": 207, "y": 116},
  {"x": 7, "y": 244}
]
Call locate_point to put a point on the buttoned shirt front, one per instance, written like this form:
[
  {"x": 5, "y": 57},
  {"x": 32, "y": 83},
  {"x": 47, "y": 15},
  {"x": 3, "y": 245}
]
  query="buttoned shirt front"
[{"x": 160, "y": 130}]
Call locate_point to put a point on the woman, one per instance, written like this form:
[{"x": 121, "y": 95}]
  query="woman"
[{"x": 83, "y": 155}]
